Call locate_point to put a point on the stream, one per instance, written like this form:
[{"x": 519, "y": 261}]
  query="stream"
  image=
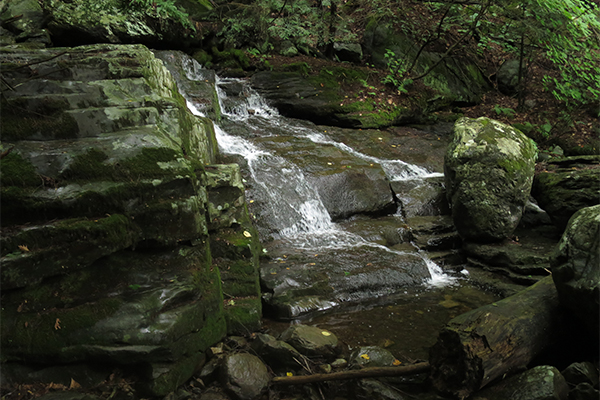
[{"x": 344, "y": 261}]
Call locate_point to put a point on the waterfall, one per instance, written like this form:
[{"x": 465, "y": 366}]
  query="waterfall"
[{"x": 291, "y": 205}]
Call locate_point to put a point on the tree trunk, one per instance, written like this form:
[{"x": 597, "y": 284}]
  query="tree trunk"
[{"x": 481, "y": 345}]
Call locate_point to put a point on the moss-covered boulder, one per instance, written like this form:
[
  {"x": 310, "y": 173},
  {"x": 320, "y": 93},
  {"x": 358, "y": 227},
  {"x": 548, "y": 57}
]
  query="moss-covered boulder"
[
  {"x": 576, "y": 267},
  {"x": 320, "y": 99},
  {"x": 488, "y": 170},
  {"x": 107, "y": 216},
  {"x": 567, "y": 185},
  {"x": 23, "y": 22}
]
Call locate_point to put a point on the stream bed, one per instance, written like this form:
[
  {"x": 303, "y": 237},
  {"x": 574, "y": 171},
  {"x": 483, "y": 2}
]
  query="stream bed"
[{"x": 354, "y": 223}]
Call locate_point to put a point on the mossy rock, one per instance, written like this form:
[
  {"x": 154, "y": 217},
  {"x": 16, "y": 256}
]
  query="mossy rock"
[{"x": 489, "y": 170}]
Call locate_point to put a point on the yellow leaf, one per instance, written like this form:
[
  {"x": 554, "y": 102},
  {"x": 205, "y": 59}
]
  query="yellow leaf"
[
  {"x": 289, "y": 374},
  {"x": 396, "y": 362},
  {"x": 365, "y": 356},
  {"x": 57, "y": 324},
  {"x": 74, "y": 385},
  {"x": 325, "y": 333},
  {"x": 247, "y": 234},
  {"x": 22, "y": 247}
]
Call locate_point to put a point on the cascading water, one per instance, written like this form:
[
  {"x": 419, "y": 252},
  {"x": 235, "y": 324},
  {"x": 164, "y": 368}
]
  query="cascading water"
[{"x": 291, "y": 206}]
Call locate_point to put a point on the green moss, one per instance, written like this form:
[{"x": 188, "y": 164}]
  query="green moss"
[
  {"x": 45, "y": 119},
  {"x": 92, "y": 166},
  {"x": 243, "y": 315},
  {"x": 301, "y": 67},
  {"x": 47, "y": 333},
  {"x": 16, "y": 171}
]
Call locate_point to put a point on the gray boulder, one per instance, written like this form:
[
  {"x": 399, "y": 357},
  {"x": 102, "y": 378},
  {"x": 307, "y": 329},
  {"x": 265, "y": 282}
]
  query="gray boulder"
[
  {"x": 312, "y": 341},
  {"x": 576, "y": 266},
  {"x": 508, "y": 77},
  {"x": 244, "y": 376},
  {"x": 489, "y": 170},
  {"x": 566, "y": 186}
]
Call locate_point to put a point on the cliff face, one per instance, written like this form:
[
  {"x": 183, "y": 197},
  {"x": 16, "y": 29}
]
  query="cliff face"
[{"x": 115, "y": 218}]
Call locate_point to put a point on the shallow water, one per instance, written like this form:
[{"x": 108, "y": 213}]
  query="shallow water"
[{"x": 407, "y": 324}]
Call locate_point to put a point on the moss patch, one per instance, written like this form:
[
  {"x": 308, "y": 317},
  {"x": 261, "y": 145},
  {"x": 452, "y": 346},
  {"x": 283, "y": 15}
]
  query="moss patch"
[
  {"x": 92, "y": 165},
  {"x": 16, "y": 171}
]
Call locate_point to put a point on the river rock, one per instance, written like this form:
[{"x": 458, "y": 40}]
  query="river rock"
[
  {"x": 576, "y": 267},
  {"x": 581, "y": 372},
  {"x": 540, "y": 383},
  {"x": 567, "y": 185},
  {"x": 374, "y": 389},
  {"x": 584, "y": 391},
  {"x": 244, "y": 376},
  {"x": 372, "y": 356},
  {"x": 276, "y": 353},
  {"x": 489, "y": 171},
  {"x": 312, "y": 341}
]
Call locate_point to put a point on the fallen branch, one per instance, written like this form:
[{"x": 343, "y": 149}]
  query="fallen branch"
[{"x": 375, "y": 372}]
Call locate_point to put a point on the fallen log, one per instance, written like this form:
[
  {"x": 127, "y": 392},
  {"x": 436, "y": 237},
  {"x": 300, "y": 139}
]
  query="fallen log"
[
  {"x": 484, "y": 344},
  {"x": 374, "y": 372}
]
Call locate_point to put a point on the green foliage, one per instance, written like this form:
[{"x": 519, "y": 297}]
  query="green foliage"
[
  {"x": 163, "y": 10},
  {"x": 506, "y": 111},
  {"x": 397, "y": 70}
]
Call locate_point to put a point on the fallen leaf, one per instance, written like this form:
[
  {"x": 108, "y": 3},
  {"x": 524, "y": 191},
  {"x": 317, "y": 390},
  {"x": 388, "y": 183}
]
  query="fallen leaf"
[
  {"x": 289, "y": 374},
  {"x": 57, "y": 324},
  {"x": 247, "y": 234},
  {"x": 22, "y": 247},
  {"x": 325, "y": 333},
  {"x": 74, "y": 384},
  {"x": 365, "y": 356},
  {"x": 396, "y": 362}
]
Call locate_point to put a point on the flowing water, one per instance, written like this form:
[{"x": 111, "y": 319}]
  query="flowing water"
[{"x": 292, "y": 218}]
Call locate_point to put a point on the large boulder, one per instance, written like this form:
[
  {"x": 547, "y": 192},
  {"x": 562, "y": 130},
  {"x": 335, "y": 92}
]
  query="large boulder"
[
  {"x": 567, "y": 185},
  {"x": 107, "y": 186},
  {"x": 489, "y": 170},
  {"x": 576, "y": 267}
]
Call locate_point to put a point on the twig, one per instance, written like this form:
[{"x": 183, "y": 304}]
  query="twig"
[{"x": 353, "y": 374}]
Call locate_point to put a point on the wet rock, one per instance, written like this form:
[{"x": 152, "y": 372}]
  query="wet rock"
[
  {"x": 244, "y": 376},
  {"x": 373, "y": 389},
  {"x": 489, "y": 171},
  {"x": 312, "y": 341},
  {"x": 539, "y": 383},
  {"x": 276, "y": 353},
  {"x": 533, "y": 215},
  {"x": 105, "y": 249},
  {"x": 372, "y": 356},
  {"x": 305, "y": 283},
  {"x": 576, "y": 267},
  {"x": 581, "y": 372},
  {"x": 566, "y": 186},
  {"x": 525, "y": 258},
  {"x": 584, "y": 391}
]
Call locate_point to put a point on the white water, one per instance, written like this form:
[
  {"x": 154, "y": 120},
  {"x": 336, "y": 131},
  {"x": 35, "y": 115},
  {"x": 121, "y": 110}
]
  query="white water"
[{"x": 300, "y": 217}]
